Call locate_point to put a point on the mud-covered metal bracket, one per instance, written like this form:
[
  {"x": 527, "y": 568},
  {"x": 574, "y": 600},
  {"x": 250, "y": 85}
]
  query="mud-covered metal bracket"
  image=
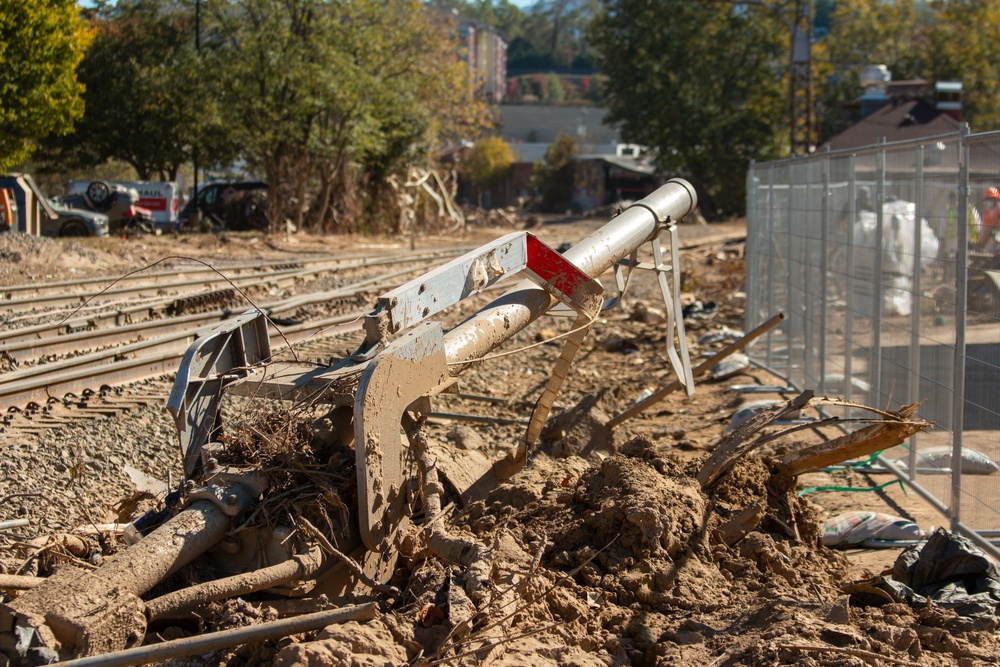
[
  {"x": 409, "y": 368},
  {"x": 424, "y": 297},
  {"x": 404, "y": 369},
  {"x": 223, "y": 355}
]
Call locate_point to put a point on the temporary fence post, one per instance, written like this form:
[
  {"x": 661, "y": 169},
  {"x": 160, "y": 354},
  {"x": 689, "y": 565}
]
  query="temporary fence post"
[
  {"x": 961, "y": 303},
  {"x": 875, "y": 366},
  {"x": 918, "y": 214}
]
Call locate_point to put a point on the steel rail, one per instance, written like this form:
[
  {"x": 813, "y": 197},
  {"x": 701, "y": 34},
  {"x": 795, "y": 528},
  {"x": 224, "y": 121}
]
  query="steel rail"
[
  {"x": 184, "y": 267},
  {"x": 122, "y": 316},
  {"x": 152, "y": 359},
  {"x": 34, "y": 347},
  {"x": 30, "y": 304}
]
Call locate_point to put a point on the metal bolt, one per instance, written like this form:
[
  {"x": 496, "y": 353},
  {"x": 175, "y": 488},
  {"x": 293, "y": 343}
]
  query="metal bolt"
[
  {"x": 189, "y": 485},
  {"x": 232, "y": 499},
  {"x": 212, "y": 465}
]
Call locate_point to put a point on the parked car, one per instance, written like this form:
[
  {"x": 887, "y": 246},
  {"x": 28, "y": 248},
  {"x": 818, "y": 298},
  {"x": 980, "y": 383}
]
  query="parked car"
[
  {"x": 118, "y": 203},
  {"x": 74, "y": 222},
  {"x": 234, "y": 205}
]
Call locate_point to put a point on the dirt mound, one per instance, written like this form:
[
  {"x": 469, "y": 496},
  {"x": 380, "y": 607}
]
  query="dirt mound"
[{"x": 627, "y": 564}]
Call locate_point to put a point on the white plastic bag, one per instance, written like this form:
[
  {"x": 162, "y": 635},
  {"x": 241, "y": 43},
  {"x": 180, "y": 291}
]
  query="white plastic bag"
[{"x": 871, "y": 530}]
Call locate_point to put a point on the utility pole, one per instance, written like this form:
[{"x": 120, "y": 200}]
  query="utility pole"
[
  {"x": 800, "y": 111},
  {"x": 797, "y": 17},
  {"x": 194, "y": 151}
]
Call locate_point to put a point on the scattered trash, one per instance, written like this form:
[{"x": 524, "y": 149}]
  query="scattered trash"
[
  {"x": 872, "y": 530},
  {"x": 643, "y": 313},
  {"x": 618, "y": 343},
  {"x": 761, "y": 389},
  {"x": 723, "y": 335},
  {"x": 836, "y": 384},
  {"x": 730, "y": 366},
  {"x": 938, "y": 459},
  {"x": 748, "y": 410},
  {"x": 700, "y": 310},
  {"x": 646, "y": 393},
  {"x": 948, "y": 571}
]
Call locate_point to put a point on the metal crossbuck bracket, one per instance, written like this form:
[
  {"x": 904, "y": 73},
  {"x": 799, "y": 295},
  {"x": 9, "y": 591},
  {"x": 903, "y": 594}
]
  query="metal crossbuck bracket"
[
  {"x": 216, "y": 359},
  {"x": 668, "y": 277}
]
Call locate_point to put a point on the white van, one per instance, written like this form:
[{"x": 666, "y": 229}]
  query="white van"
[{"x": 159, "y": 197}]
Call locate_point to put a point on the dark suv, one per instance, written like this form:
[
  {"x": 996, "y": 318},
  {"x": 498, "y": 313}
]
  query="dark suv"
[{"x": 234, "y": 205}]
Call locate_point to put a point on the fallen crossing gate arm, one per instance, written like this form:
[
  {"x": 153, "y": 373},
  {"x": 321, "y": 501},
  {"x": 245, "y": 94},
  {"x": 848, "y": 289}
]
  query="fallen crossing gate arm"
[{"x": 405, "y": 359}]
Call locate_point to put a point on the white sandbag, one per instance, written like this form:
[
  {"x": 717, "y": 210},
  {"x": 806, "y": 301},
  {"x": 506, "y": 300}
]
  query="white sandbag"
[
  {"x": 938, "y": 459},
  {"x": 730, "y": 366},
  {"x": 870, "y": 529}
]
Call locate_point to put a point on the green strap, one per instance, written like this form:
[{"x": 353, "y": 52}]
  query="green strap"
[
  {"x": 859, "y": 464},
  {"x": 853, "y": 489}
]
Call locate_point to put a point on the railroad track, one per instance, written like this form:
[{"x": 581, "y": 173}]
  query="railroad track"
[
  {"x": 80, "y": 361},
  {"x": 160, "y": 290},
  {"x": 87, "y": 357}
]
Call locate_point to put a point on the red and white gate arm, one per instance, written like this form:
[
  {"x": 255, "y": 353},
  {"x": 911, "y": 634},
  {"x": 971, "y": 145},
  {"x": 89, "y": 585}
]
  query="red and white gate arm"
[{"x": 422, "y": 298}]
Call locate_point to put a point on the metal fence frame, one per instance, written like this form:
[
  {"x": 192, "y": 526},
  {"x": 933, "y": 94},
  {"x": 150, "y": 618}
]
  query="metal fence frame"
[{"x": 802, "y": 220}]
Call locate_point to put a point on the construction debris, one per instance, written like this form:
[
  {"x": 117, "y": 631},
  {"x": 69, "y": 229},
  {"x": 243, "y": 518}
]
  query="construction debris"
[{"x": 594, "y": 546}]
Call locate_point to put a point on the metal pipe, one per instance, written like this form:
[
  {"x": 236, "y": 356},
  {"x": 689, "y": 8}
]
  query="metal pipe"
[
  {"x": 215, "y": 641},
  {"x": 294, "y": 569},
  {"x": 525, "y": 302},
  {"x": 79, "y": 608},
  {"x": 171, "y": 546}
]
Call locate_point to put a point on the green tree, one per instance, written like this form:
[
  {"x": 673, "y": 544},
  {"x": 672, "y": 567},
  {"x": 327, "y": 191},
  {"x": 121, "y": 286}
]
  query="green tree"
[
  {"x": 147, "y": 98},
  {"x": 338, "y": 95},
  {"x": 553, "y": 176},
  {"x": 555, "y": 92},
  {"x": 488, "y": 163},
  {"x": 41, "y": 44},
  {"x": 701, "y": 83}
]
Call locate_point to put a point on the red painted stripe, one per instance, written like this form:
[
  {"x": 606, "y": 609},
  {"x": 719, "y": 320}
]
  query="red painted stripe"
[
  {"x": 153, "y": 203},
  {"x": 553, "y": 268}
]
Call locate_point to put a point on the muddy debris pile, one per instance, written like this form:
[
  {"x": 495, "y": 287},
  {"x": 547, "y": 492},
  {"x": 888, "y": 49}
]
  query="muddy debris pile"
[{"x": 603, "y": 550}]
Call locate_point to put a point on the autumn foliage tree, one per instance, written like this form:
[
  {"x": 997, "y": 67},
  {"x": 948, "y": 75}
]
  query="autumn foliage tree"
[
  {"x": 962, "y": 43},
  {"x": 862, "y": 33},
  {"x": 488, "y": 163},
  {"x": 41, "y": 44},
  {"x": 148, "y": 97},
  {"x": 553, "y": 177}
]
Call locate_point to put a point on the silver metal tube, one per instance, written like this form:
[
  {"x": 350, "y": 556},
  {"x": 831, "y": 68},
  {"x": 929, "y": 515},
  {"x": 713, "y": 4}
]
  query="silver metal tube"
[
  {"x": 525, "y": 302},
  {"x": 170, "y": 547}
]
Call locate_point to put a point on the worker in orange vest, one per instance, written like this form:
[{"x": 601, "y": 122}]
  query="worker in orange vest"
[{"x": 991, "y": 219}]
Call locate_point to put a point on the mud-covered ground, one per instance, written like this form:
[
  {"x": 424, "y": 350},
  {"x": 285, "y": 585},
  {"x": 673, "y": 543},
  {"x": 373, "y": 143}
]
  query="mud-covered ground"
[{"x": 604, "y": 550}]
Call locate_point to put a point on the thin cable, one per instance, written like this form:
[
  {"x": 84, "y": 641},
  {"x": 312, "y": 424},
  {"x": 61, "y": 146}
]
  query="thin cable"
[{"x": 499, "y": 355}]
